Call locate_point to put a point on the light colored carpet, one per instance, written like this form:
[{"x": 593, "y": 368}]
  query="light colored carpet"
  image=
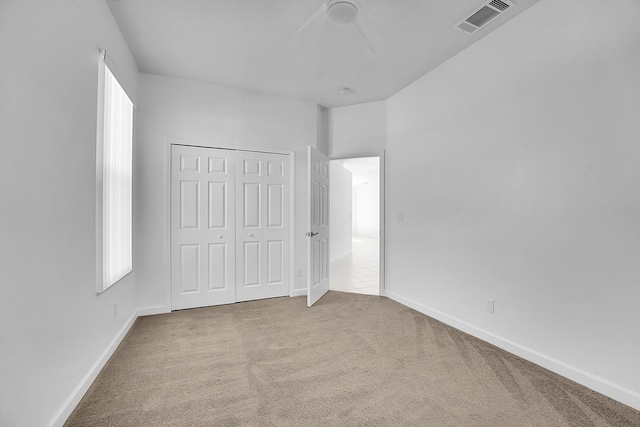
[{"x": 352, "y": 360}]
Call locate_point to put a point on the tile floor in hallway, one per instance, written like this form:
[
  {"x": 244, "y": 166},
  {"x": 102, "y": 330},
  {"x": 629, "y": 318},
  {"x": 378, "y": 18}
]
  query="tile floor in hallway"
[{"x": 357, "y": 272}]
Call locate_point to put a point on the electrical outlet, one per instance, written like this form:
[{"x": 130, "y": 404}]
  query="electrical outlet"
[
  {"x": 299, "y": 272},
  {"x": 490, "y": 304}
]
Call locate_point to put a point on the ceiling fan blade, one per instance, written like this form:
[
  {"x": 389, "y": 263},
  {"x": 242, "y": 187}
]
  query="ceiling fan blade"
[
  {"x": 311, "y": 24},
  {"x": 364, "y": 26}
]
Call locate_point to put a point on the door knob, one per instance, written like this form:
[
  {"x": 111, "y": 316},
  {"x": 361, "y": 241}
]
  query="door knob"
[
  {"x": 250, "y": 234},
  {"x": 219, "y": 236},
  {"x": 311, "y": 234}
]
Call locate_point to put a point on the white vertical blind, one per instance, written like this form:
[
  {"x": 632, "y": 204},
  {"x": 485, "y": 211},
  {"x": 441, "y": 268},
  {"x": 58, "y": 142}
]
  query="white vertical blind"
[{"x": 116, "y": 162}]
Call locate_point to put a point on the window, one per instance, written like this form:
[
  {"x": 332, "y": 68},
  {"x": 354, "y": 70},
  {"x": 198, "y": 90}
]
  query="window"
[{"x": 113, "y": 178}]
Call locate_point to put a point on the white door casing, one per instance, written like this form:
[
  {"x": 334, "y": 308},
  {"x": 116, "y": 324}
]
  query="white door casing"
[
  {"x": 318, "y": 234},
  {"x": 262, "y": 223},
  {"x": 230, "y": 226},
  {"x": 202, "y": 227}
]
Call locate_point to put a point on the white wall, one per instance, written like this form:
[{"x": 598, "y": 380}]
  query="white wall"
[
  {"x": 208, "y": 115},
  {"x": 322, "y": 137},
  {"x": 53, "y": 326},
  {"x": 366, "y": 200},
  {"x": 516, "y": 165},
  {"x": 340, "y": 207},
  {"x": 357, "y": 130}
]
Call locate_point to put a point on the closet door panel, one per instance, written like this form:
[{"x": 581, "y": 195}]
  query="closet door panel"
[
  {"x": 277, "y": 233},
  {"x": 262, "y": 185},
  {"x": 202, "y": 227}
]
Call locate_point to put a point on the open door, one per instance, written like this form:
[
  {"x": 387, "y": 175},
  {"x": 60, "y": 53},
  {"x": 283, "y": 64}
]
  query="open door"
[{"x": 318, "y": 234}]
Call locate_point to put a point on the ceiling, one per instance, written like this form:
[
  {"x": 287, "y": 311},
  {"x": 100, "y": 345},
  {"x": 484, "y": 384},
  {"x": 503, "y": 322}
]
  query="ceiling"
[{"x": 243, "y": 44}]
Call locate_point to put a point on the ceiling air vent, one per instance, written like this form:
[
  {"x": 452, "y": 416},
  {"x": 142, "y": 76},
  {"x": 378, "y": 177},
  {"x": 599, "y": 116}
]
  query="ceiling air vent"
[{"x": 482, "y": 15}]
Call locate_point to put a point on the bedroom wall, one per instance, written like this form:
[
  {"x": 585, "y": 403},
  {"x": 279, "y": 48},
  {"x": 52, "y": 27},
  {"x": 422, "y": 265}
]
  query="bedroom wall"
[
  {"x": 208, "y": 115},
  {"x": 322, "y": 138},
  {"x": 516, "y": 165},
  {"x": 357, "y": 130},
  {"x": 341, "y": 195},
  {"x": 366, "y": 201},
  {"x": 54, "y": 329}
]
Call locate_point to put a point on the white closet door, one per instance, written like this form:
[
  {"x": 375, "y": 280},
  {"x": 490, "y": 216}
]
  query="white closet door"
[
  {"x": 202, "y": 227},
  {"x": 262, "y": 224}
]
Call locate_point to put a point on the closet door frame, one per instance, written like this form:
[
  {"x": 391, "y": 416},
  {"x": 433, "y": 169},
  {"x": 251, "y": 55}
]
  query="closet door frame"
[{"x": 292, "y": 202}]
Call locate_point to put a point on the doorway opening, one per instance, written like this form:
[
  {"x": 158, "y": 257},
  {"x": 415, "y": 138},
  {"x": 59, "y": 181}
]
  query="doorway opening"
[{"x": 355, "y": 225}]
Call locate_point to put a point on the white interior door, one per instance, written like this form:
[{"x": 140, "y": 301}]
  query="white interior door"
[
  {"x": 318, "y": 234},
  {"x": 202, "y": 227},
  {"x": 262, "y": 221}
]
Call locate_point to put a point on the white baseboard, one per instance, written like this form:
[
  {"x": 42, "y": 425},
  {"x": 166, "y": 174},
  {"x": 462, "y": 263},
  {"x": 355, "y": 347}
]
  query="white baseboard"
[
  {"x": 299, "y": 292},
  {"x": 337, "y": 257},
  {"x": 156, "y": 309},
  {"x": 594, "y": 382},
  {"x": 72, "y": 401}
]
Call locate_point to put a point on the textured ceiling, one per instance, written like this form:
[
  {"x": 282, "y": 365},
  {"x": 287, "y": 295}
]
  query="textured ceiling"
[{"x": 243, "y": 44}]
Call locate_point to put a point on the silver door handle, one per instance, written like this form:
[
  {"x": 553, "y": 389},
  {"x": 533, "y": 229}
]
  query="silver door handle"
[
  {"x": 311, "y": 234},
  {"x": 250, "y": 234}
]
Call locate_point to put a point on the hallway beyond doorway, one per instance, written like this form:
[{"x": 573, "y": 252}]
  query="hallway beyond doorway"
[{"x": 358, "y": 271}]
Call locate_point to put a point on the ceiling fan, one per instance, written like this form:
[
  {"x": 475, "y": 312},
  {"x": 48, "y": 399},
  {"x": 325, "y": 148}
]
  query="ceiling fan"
[{"x": 339, "y": 12}]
